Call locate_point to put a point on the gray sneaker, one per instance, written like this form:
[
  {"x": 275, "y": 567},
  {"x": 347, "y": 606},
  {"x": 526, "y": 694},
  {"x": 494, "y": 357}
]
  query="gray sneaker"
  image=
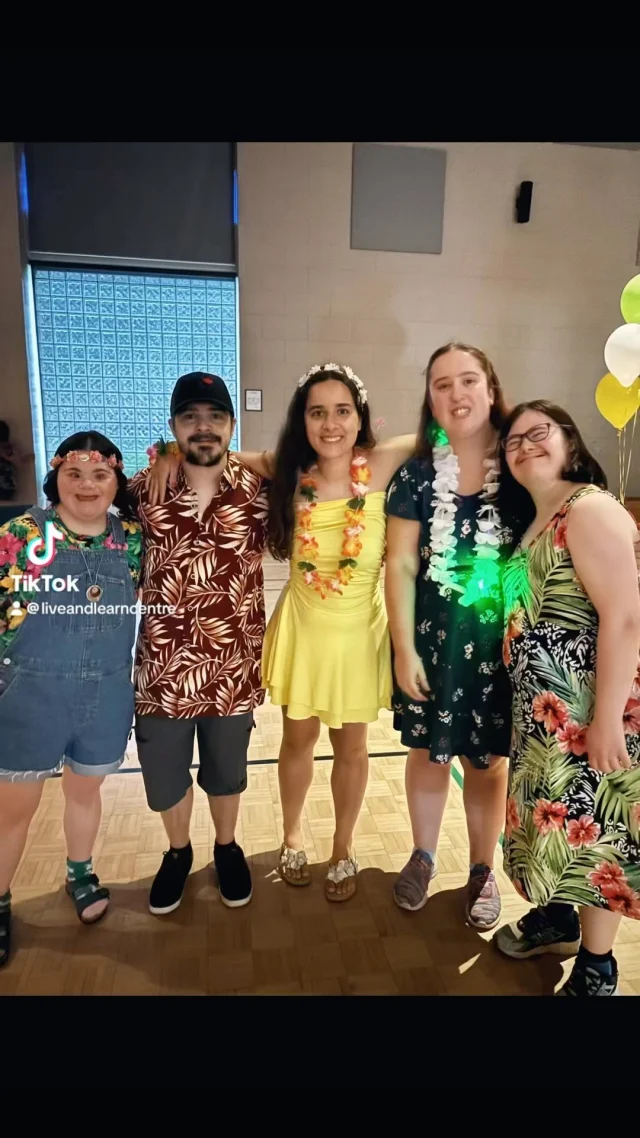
[
  {"x": 412, "y": 886},
  {"x": 483, "y": 906}
]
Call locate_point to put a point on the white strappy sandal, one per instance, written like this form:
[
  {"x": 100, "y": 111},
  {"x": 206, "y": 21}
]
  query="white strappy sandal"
[
  {"x": 293, "y": 866},
  {"x": 345, "y": 869}
]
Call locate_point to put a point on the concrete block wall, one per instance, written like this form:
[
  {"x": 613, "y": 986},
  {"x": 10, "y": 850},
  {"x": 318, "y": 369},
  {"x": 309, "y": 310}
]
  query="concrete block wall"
[{"x": 540, "y": 298}]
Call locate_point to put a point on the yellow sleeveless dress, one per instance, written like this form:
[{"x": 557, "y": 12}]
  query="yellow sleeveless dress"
[{"x": 331, "y": 658}]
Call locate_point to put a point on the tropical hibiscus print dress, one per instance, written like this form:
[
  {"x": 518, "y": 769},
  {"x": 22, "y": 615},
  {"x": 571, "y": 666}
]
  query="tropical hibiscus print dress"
[{"x": 572, "y": 834}]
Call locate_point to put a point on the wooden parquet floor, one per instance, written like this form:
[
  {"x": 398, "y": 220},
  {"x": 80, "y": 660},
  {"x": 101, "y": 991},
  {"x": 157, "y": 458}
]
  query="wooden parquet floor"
[{"x": 286, "y": 941}]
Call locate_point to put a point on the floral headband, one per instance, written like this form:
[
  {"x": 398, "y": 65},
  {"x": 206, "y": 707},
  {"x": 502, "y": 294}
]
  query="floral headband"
[
  {"x": 362, "y": 392},
  {"x": 86, "y": 456}
]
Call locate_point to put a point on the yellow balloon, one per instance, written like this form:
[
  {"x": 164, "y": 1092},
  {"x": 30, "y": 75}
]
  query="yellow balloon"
[{"x": 617, "y": 404}]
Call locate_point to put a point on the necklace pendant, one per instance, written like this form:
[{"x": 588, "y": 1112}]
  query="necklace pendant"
[{"x": 94, "y": 593}]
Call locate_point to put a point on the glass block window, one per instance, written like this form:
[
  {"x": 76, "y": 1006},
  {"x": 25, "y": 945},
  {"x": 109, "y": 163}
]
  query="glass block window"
[{"x": 111, "y": 346}]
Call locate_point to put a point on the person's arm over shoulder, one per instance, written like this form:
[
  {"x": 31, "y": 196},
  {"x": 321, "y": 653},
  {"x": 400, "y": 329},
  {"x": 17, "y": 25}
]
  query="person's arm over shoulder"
[{"x": 392, "y": 453}]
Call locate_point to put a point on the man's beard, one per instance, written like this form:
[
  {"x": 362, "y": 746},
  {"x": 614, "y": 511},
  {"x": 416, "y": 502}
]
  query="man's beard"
[{"x": 198, "y": 457}]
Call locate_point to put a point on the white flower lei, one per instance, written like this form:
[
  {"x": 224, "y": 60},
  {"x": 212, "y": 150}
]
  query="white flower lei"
[
  {"x": 443, "y": 541},
  {"x": 362, "y": 392}
]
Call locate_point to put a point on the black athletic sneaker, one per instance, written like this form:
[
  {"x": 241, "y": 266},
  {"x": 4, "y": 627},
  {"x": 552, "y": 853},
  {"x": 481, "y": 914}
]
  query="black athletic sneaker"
[
  {"x": 588, "y": 981},
  {"x": 535, "y": 935},
  {"x": 234, "y": 877},
  {"x": 170, "y": 880}
]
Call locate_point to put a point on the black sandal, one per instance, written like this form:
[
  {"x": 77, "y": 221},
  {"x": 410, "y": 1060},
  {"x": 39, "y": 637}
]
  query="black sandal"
[
  {"x": 5, "y": 935},
  {"x": 86, "y": 891}
]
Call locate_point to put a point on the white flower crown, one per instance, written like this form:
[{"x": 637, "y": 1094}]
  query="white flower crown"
[{"x": 362, "y": 391}]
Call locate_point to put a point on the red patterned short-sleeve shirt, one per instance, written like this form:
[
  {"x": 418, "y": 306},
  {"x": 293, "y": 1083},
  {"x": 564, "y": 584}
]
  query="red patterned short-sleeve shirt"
[{"x": 202, "y": 659}]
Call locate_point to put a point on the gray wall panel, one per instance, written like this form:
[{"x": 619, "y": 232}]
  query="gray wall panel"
[{"x": 397, "y": 198}]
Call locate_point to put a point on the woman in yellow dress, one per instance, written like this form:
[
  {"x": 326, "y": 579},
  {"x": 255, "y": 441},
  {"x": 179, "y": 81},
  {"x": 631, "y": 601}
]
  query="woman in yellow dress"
[{"x": 326, "y": 654}]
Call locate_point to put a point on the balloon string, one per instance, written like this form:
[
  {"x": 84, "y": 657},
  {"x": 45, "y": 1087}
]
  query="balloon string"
[
  {"x": 620, "y": 466},
  {"x": 633, "y": 434}
]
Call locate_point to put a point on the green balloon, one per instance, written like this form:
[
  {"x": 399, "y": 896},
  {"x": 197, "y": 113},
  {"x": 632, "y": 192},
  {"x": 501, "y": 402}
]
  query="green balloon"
[{"x": 630, "y": 301}]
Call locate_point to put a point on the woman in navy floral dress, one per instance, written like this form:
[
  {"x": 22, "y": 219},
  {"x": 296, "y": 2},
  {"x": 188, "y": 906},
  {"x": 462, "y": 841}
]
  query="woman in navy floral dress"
[
  {"x": 452, "y": 695},
  {"x": 469, "y": 709}
]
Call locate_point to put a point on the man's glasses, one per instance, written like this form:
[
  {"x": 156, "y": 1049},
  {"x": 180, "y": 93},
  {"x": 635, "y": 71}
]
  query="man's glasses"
[{"x": 535, "y": 434}]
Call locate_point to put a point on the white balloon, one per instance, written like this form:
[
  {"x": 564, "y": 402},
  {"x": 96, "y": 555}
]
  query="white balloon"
[{"x": 622, "y": 353}]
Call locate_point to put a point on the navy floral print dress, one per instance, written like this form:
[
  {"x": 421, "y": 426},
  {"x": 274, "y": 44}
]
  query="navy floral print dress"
[{"x": 468, "y": 712}]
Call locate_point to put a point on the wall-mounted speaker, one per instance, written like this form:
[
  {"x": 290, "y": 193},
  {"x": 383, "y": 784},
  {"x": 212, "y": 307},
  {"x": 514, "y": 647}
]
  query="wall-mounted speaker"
[{"x": 523, "y": 202}]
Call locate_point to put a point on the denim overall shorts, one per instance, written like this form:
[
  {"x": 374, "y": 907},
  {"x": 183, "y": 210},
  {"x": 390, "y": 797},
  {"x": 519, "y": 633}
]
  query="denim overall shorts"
[{"x": 66, "y": 690}]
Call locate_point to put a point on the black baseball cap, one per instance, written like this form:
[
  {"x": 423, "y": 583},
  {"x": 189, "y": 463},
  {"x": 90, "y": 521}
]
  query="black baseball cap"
[{"x": 201, "y": 387}]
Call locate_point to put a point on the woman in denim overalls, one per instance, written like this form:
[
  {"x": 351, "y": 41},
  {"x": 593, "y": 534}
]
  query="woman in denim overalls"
[{"x": 67, "y": 630}]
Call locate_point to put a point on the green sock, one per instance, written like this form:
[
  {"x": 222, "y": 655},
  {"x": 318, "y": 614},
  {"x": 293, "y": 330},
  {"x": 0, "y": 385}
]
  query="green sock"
[
  {"x": 76, "y": 870},
  {"x": 5, "y": 901}
]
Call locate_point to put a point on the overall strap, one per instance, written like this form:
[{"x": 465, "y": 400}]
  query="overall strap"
[
  {"x": 117, "y": 529},
  {"x": 39, "y": 516}
]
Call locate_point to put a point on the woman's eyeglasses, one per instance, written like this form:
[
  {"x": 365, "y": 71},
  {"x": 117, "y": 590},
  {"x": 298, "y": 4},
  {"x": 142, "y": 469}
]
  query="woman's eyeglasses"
[{"x": 535, "y": 434}]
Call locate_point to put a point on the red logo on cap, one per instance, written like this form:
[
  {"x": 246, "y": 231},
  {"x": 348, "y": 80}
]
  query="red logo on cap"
[{"x": 207, "y": 379}]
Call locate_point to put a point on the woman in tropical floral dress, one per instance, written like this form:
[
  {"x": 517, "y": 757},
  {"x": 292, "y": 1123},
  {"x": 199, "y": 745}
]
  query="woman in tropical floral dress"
[{"x": 571, "y": 646}]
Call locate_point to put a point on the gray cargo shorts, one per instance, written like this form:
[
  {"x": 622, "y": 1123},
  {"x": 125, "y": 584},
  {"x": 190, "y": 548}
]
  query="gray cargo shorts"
[{"x": 165, "y": 750}]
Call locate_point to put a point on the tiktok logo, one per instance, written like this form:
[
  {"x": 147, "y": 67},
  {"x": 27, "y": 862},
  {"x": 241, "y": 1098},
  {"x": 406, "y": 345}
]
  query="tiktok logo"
[{"x": 42, "y": 552}]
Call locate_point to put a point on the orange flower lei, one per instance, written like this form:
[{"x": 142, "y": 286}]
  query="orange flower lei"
[{"x": 360, "y": 475}]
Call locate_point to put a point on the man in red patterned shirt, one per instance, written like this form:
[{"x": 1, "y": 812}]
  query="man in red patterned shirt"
[{"x": 198, "y": 664}]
